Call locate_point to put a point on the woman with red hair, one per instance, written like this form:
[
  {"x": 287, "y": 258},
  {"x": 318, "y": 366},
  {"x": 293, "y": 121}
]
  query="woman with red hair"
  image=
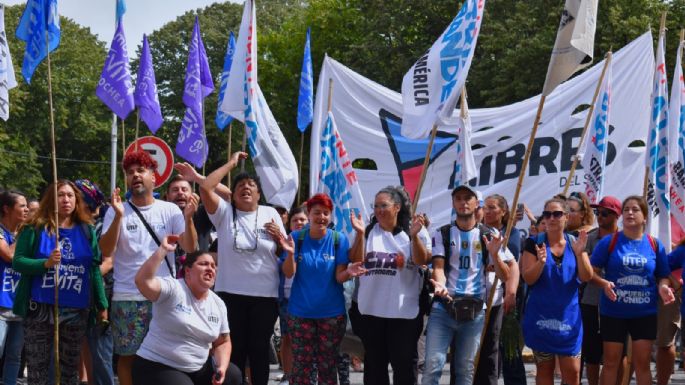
[{"x": 317, "y": 258}]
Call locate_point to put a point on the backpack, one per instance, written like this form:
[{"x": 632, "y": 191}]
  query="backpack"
[
  {"x": 445, "y": 233},
  {"x": 300, "y": 239},
  {"x": 614, "y": 239}
]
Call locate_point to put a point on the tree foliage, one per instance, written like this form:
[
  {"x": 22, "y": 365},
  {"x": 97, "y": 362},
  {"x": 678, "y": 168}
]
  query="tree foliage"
[{"x": 380, "y": 39}]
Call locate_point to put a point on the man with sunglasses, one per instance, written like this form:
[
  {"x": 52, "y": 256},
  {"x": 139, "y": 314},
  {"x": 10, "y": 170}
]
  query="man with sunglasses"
[{"x": 607, "y": 212}]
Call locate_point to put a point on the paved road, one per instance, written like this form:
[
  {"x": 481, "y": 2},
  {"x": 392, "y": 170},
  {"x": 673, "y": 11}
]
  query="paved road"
[{"x": 356, "y": 378}]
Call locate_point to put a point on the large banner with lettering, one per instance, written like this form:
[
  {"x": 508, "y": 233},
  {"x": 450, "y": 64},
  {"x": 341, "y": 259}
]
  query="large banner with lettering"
[{"x": 369, "y": 121}]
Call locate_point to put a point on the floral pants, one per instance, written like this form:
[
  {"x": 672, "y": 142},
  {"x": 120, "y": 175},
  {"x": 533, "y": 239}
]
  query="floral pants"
[{"x": 316, "y": 344}]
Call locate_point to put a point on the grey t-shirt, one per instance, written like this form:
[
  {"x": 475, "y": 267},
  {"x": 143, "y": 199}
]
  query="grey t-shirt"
[{"x": 592, "y": 292}]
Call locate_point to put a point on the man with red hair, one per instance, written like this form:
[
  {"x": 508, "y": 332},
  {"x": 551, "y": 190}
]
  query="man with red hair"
[{"x": 131, "y": 232}]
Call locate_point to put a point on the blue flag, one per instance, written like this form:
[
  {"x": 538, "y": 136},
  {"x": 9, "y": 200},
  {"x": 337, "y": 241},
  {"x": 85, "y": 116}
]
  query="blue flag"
[
  {"x": 305, "y": 102},
  {"x": 39, "y": 16},
  {"x": 223, "y": 119},
  {"x": 115, "y": 87},
  {"x": 145, "y": 97},
  {"x": 121, "y": 9},
  {"x": 192, "y": 141}
]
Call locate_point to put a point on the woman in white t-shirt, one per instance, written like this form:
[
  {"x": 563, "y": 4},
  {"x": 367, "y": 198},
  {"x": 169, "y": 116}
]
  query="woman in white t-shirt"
[
  {"x": 395, "y": 246},
  {"x": 188, "y": 342},
  {"x": 247, "y": 275}
]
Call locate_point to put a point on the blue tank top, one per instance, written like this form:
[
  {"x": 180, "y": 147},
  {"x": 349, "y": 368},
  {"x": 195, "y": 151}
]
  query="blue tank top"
[
  {"x": 74, "y": 269},
  {"x": 552, "y": 322},
  {"x": 10, "y": 278}
]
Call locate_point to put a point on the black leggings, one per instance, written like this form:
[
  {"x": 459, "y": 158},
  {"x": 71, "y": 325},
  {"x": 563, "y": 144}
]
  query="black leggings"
[
  {"x": 145, "y": 372},
  {"x": 252, "y": 322}
]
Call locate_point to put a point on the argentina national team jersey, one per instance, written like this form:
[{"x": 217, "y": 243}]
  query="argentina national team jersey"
[{"x": 465, "y": 276}]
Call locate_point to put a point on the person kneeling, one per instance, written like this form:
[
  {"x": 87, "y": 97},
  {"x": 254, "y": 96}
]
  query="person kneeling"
[{"x": 188, "y": 341}]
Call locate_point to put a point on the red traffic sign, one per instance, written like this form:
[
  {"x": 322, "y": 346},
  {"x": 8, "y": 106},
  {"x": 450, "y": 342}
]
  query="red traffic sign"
[{"x": 161, "y": 152}]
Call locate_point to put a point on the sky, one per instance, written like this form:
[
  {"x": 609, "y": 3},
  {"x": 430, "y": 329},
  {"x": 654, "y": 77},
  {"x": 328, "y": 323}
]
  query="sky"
[{"x": 142, "y": 16}]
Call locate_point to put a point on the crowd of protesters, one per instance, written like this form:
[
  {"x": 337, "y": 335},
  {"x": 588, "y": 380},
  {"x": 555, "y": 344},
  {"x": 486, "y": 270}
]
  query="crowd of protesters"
[{"x": 187, "y": 289}]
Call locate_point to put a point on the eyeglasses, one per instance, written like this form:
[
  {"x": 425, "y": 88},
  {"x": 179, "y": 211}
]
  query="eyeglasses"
[
  {"x": 603, "y": 212},
  {"x": 382, "y": 206},
  {"x": 555, "y": 214}
]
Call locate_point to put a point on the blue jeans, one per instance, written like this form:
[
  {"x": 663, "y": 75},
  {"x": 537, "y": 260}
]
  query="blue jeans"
[
  {"x": 12, "y": 341},
  {"x": 101, "y": 347},
  {"x": 439, "y": 333}
]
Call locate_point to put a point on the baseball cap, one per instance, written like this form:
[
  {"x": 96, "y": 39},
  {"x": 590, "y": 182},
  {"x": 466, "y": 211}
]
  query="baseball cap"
[
  {"x": 611, "y": 203},
  {"x": 478, "y": 194}
]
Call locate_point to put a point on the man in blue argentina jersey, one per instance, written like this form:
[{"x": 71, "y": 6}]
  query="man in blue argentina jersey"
[{"x": 459, "y": 280}]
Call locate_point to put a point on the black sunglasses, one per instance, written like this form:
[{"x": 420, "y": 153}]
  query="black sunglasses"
[
  {"x": 603, "y": 212},
  {"x": 555, "y": 214}
]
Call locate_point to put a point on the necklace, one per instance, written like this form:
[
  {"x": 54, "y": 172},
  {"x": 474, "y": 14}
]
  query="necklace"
[{"x": 235, "y": 233}]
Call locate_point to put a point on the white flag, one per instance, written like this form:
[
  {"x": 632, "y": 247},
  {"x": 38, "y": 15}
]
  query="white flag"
[
  {"x": 338, "y": 179},
  {"x": 273, "y": 160},
  {"x": 245, "y": 54},
  {"x": 593, "y": 153},
  {"x": 7, "y": 79},
  {"x": 676, "y": 149},
  {"x": 431, "y": 87},
  {"x": 575, "y": 42},
  {"x": 465, "y": 165},
  {"x": 658, "y": 183}
]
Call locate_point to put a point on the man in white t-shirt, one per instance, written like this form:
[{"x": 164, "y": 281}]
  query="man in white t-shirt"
[
  {"x": 459, "y": 279},
  {"x": 129, "y": 239}
]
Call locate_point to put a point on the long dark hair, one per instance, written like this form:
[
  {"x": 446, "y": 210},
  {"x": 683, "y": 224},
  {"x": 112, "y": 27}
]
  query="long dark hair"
[
  {"x": 399, "y": 196},
  {"x": 8, "y": 199}
]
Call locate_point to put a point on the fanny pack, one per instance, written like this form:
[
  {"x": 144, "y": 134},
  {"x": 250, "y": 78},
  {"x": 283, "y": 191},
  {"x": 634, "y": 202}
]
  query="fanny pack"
[{"x": 463, "y": 309}]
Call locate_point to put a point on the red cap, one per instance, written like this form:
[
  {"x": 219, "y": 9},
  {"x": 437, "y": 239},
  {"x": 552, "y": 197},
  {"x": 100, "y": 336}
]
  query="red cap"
[{"x": 611, "y": 203}]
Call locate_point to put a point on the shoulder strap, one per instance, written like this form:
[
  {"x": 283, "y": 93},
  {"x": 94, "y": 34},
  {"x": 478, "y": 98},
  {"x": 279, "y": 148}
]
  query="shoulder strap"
[
  {"x": 86, "y": 231},
  {"x": 612, "y": 243},
  {"x": 481, "y": 236},
  {"x": 445, "y": 233},
  {"x": 152, "y": 234}
]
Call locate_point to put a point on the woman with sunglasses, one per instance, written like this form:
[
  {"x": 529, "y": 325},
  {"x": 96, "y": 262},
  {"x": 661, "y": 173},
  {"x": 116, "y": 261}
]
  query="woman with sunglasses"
[
  {"x": 581, "y": 217},
  {"x": 317, "y": 257},
  {"x": 636, "y": 271},
  {"x": 395, "y": 245},
  {"x": 553, "y": 265},
  {"x": 247, "y": 269}
]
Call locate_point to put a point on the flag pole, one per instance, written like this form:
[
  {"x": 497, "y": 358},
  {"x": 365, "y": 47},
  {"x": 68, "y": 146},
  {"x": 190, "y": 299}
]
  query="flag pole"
[
  {"x": 645, "y": 186},
  {"x": 424, "y": 171},
  {"x": 113, "y": 156},
  {"x": 137, "y": 127},
  {"x": 54, "y": 182},
  {"x": 123, "y": 146},
  {"x": 301, "y": 155},
  {"x": 230, "y": 135},
  {"x": 587, "y": 121},
  {"x": 242, "y": 161}
]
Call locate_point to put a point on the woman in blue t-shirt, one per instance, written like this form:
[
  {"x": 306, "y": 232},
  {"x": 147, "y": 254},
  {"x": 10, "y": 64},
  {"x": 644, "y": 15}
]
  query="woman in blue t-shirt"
[
  {"x": 553, "y": 265},
  {"x": 635, "y": 270},
  {"x": 13, "y": 213},
  {"x": 317, "y": 257},
  {"x": 77, "y": 256}
]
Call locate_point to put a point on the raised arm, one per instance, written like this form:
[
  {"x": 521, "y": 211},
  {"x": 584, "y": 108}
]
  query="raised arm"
[
  {"x": 109, "y": 238},
  {"x": 494, "y": 246},
  {"x": 585, "y": 271},
  {"x": 532, "y": 265},
  {"x": 356, "y": 253},
  {"x": 188, "y": 240},
  {"x": 146, "y": 279},
  {"x": 419, "y": 251}
]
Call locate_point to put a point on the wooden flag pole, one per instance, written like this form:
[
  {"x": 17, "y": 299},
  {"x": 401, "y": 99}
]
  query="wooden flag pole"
[
  {"x": 230, "y": 135},
  {"x": 123, "y": 147},
  {"x": 58, "y": 373},
  {"x": 301, "y": 156},
  {"x": 607, "y": 62},
  {"x": 137, "y": 127},
  {"x": 424, "y": 170},
  {"x": 242, "y": 161},
  {"x": 645, "y": 186}
]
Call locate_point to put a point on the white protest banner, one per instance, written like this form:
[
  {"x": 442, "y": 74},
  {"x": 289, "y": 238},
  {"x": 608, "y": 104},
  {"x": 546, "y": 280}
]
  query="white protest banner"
[
  {"x": 369, "y": 120},
  {"x": 676, "y": 149}
]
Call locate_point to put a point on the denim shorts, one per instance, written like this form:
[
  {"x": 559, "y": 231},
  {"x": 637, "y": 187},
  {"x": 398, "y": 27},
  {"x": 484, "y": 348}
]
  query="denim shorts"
[{"x": 130, "y": 321}]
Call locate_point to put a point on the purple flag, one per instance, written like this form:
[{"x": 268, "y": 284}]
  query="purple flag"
[
  {"x": 146, "y": 91},
  {"x": 115, "y": 88},
  {"x": 192, "y": 141}
]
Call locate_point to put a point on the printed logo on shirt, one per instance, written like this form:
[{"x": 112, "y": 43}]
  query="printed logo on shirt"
[
  {"x": 633, "y": 297},
  {"x": 328, "y": 257},
  {"x": 465, "y": 245},
  {"x": 634, "y": 263},
  {"x": 131, "y": 226},
  {"x": 181, "y": 308},
  {"x": 213, "y": 318},
  {"x": 632, "y": 280},
  {"x": 478, "y": 247},
  {"x": 10, "y": 280},
  {"x": 553, "y": 324},
  {"x": 67, "y": 249},
  {"x": 380, "y": 263}
]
